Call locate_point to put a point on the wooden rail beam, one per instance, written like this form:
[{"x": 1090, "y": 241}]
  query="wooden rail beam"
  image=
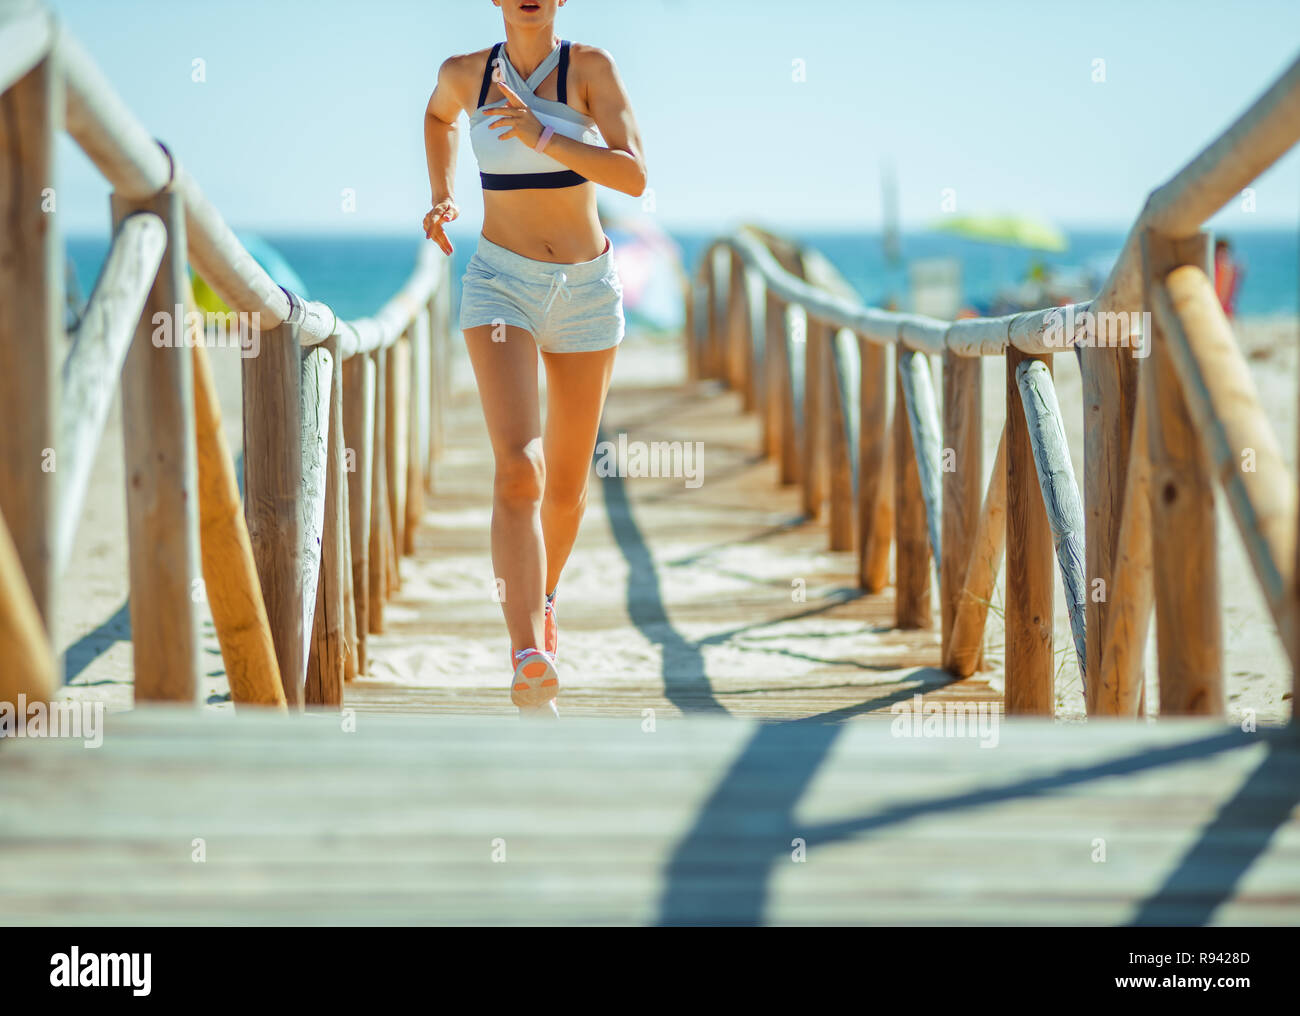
[
  {"x": 1185, "y": 569},
  {"x": 1030, "y": 685},
  {"x": 1224, "y": 406}
]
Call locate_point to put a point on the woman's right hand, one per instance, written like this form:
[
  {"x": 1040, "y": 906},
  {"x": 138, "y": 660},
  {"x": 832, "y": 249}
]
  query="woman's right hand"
[{"x": 444, "y": 211}]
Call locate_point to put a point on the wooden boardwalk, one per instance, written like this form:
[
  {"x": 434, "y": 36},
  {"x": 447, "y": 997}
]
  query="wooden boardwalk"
[
  {"x": 702, "y": 772},
  {"x": 713, "y": 598}
]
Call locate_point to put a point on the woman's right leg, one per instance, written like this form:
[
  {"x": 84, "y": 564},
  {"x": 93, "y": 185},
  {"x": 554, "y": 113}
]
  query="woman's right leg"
[{"x": 507, "y": 385}]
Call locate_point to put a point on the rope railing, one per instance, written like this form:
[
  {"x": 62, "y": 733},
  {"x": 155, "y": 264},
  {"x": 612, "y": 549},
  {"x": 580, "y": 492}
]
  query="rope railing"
[
  {"x": 1168, "y": 415},
  {"x": 342, "y": 420}
]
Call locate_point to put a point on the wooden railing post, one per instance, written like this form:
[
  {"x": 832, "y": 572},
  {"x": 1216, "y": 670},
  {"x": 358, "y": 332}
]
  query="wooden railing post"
[
  {"x": 31, "y": 323},
  {"x": 418, "y": 436},
  {"x": 815, "y": 379},
  {"x": 842, "y": 425},
  {"x": 738, "y": 340},
  {"x": 1184, "y": 549},
  {"x": 328, "y": 650},
  {"x": 162, "y": 496},
  {"x": 875, "y": 479},
  {"x": 911, "y": 538},
  {"x": 359, "y": 433},
  {"x": 1030, "y": 686},
  {"x": 396, "y": 438},
  {"x": 377, "y": 577},
  {"x": 284, "y": 483},
  {"x": 1110, "y": 375},
  {"x": 963, "y": 478}
]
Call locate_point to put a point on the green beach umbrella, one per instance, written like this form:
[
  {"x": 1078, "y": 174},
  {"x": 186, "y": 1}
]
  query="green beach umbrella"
[{"x": 1011, "y": 230}]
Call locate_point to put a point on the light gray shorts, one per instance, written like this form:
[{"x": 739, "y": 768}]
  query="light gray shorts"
[{"x": 567, "y": 308}]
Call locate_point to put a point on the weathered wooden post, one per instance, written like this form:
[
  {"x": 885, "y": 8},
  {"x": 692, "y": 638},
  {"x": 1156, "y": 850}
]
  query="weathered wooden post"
[
  {"x": 1110, "y": 376},
  {"x": 911, "y": 538},
  {"x": 1185, "y": 568},
  {"x": 396, "y": 438},
  {"x": 812, "y": 458},
  {"x": 774, "y": 353},
  {"x": 842, "y": 424},
  {"x": 965, "y": 645},
  {"x": 378, "y": 553},
  {"x": 328, "y": 650},
  {"x": 1030, "y": 675},
  {"x": 418, "y": 429},
  {"x": 737, "y": 339},
  {"x": 359, "y": 432},
  {"x": 963, "y": 419},
  {"x": 162, "y": 496},
  {"x": 874, "y": 529},
  {"x": 31, "y": 321}
]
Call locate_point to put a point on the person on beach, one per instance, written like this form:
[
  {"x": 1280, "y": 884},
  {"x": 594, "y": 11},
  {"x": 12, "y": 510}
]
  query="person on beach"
[{"x": 542, "y": 278}]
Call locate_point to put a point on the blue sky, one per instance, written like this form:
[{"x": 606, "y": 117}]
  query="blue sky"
[{"x": 996, "y": 101}]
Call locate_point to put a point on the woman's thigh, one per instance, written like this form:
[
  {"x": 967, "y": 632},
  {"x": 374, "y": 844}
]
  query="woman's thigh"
[
  {"x": 505, "y": 366},
  {"x": 576, "y": 386}
]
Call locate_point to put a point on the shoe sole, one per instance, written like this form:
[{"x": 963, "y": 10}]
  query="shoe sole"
[{"x": 535, "y": 683}]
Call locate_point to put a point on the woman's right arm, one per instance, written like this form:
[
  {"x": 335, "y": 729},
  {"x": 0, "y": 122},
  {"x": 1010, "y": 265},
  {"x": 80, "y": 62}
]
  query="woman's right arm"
[{"x": 441, "y": 141}]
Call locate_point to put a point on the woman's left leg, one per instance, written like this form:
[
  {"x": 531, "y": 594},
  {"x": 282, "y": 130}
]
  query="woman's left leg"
[{"x": 576, "y": 385}]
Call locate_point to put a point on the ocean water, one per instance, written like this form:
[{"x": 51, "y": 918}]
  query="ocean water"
[{"x": 356, "y": 275}]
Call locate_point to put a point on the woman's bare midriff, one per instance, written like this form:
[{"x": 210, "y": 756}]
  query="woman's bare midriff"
[{"x": 560, "y": 226}]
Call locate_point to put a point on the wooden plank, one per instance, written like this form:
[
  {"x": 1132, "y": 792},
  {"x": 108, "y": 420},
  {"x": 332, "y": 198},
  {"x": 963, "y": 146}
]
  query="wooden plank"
[
  {"x": 963, "y": 477},
  {"x": 633, "y": 837},
  {"x": 31, "y": 316},
  {"x": 359, "y": 433},
  {"x": 1064, "y": 507},
  {"x": 774, "y": 397},
  {"x": 233, "y": 591},
  {"x": 911, "y": 539},
  {"x": 1185, "y": 567},
  {"x": 965, "y": 644},
  {"x": 1029, "y": 664},
  {"x": 94, "y": 362},
  {"x": 327, "y": 650},
  {"x": 273, "y": 463},
  {"x": 873, "y": 474},
  {"x": 162, "y": 496}
]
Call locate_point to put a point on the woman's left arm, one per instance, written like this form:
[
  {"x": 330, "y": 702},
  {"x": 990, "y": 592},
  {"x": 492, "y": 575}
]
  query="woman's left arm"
[{"x": 621, "y": 166}]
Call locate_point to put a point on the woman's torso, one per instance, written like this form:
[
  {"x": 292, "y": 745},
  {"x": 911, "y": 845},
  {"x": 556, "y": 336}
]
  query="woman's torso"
[{"x": 556, "y": 224}]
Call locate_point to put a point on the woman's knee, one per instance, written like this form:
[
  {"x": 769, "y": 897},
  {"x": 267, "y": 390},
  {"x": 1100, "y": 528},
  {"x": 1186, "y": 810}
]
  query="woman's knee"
[
  {"x": 566, "y": 494},
  {"x": 520, "y": 475}
]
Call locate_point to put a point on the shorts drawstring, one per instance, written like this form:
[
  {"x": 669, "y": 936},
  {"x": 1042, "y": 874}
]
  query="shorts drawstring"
[{"x": 559, "y": 287}]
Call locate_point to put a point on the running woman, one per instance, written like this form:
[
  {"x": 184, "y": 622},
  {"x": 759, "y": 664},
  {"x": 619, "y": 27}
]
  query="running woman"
[{"x": 542, "y": 278}]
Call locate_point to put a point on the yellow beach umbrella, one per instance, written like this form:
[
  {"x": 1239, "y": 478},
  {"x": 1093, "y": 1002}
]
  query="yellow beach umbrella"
[{"x": 1011, "y": 230}]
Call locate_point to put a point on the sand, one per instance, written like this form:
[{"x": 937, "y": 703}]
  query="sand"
[{"x": 92, "y": 626}]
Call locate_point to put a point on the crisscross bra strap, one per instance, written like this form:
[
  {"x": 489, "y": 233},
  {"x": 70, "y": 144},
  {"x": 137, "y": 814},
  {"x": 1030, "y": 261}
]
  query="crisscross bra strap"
[{"x": 487, "y": 74}]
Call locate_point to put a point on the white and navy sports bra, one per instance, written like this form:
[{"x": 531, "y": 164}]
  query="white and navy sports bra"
[{"x": 512, "y": 165}]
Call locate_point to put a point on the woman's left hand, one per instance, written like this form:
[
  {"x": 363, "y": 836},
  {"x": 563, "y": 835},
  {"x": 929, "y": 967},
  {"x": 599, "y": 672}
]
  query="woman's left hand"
[{"x": 523, "y": 125}]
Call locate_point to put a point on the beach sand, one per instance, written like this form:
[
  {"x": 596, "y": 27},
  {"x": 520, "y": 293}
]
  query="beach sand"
[{"x": 92, "y": 623}]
